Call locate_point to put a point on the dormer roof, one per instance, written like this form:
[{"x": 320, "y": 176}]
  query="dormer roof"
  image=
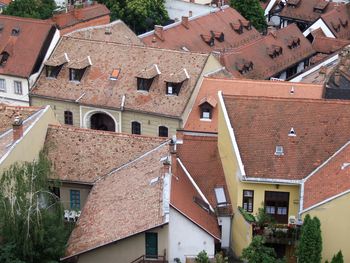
[{"x": 58, "y": 61}]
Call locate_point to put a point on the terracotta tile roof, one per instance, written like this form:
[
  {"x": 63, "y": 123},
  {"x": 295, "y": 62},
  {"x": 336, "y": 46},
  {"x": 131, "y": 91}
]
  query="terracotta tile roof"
[
  {"x": 338, "y": 80},
  {"x": 330, "y": 180},
  {"x": 116, "y": 31},
  {"x": 25, "y": 48},
  {"x": 79, "y": 15},
  {"x": 328, "y": 45},
  {"x": 121, "y": 204},
  {"x": 178, "y": 35},
  {"x": 304, "y": 10},
  {"x": 106, "y": 57},
  {"x": 182, "y": 198},
  {"x": 200, "y": 155},
  {"x": 211, "y": 86},
  {"x": 83, "y": 155},
  {"x": 5, "y": 2},
  {"x": 255, "y": 60},
  {"x": 261, "y": 124},
  {"x": 338, "y": 21}
]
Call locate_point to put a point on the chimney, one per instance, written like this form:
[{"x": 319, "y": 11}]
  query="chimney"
[
  {"x": 337, "y": 78},
  {"x": 158, "y": 31},
  {"x": 17, "y": 127},
  {"x": 190, "y": 13},
  {"x": 173, "y": 155},
  {"x": 184, "y": 22}
]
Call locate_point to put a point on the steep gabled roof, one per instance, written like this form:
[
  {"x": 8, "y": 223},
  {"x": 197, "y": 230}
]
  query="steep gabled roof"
[
  {"x": 269, "y": 55},
  {"x": 260, "y": 124},
  {"x": 305, "y": 9},
  {"x": 328, "y": 45},
  {"x": 328, "y": 180},
  {"x": 211, "y": 87},
  {"x": 122, "y": 204},
  {"x": 338, "y": 21},
  {"x": 83, "y": 155},
  {"x": 187, "y": 36},
  {"x": 99, "y": 90},
  {"x": 25, "y": 47}
]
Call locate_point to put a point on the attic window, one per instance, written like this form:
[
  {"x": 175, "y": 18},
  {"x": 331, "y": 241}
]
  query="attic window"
[
  {"x": 53, "y": 71},
  {"x": 208, "y": 39},
  {"x": 293, "y": 3},
  {"x": 344, "y": 23},
  {"x": 336, "y": 26},
  {"x": 219, "y": 36},
  {"x": 237, "y": 27},
  {"x": 274, "y": 51},
  {"x": 3, "y": 58},
  {"x": 244, "y": 66},
  {"x": 173, "y": 88},
  {"x": 293, "y": 42},
  {"x": 115, "y": 74},
  {"x": 144, "y": 84},
  {"x": 320, "y": 7},
  {"x": 207, "y": 104},
  {"x": 76, "y": 74},
  {"x": 279, "y": 150},
  {"x": 201, "y": 203},
  {"x": 15, "y": 31},
  {"x": 292, "y": 133},
  {"x": 220, "y": 196},
  {"x": 247, "y": 24}
]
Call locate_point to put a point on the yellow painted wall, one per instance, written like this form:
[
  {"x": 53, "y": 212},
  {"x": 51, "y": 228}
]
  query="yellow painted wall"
[
  {"x": 242, "y": 233},
  {"x": 59, "y": 107},
  {"x": 126, "y": 250},
  {"x": 335, "y": 226},
  {"x": 65, "y": 194},
  {"x": 29, "y": 146}
]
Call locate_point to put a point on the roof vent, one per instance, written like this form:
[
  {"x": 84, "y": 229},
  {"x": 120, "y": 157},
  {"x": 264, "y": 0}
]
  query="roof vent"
[
  {"x": 15, "y": 31},
  {"x": 291, "y": 90},
  {"x": 292, "y": 132},
  {"x": 279, "y": 150},
  {"x": 108, "y": 31}
]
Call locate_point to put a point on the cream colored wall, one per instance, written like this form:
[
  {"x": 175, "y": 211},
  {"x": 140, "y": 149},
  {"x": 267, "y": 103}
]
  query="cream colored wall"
[
  {"x": 211, "y": 65},
  {"x": 242, "y": 233},
  {"x": 149, "y": 123},
  {"x": 259, "y": 195},
  {"x": 86, "y": 113},
  {"x": 126, "y": 250},
  {"x": 59, "y": 107},
  {"x": 335, "y": 226},
  {"x": 29, "y": 146},
  {"x": 65, "y": 194}
]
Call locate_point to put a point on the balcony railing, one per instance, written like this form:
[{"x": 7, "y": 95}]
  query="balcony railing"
[
  {"x": 151, "y": 259},
  {"x": 279, "y": 233}
]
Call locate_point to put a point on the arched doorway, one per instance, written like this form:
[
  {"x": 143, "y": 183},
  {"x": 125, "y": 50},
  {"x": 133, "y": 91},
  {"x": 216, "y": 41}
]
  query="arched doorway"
[{"x": 102, "y": 121}]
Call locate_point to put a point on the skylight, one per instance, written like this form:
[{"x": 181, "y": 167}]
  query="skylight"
[
  {"x": 220, "y": 195},
  {"x": 279, "y": 150}
]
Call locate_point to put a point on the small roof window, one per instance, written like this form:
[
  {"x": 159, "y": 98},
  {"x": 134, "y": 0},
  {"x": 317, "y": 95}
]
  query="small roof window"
[
  {"x": 279, "y": 150},
  {"x": 220, "y": 195},
  {"x": 115, "y": 74},
  {"x": 292, "y": 132}
]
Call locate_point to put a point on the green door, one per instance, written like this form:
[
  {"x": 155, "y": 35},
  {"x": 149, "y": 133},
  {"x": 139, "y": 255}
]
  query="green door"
[{"x": 152, "y": 245}]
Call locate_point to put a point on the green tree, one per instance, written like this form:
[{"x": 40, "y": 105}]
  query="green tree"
[
  {"x": 202, "y": 257},
  {"x": 41, "y": 9},
  {"x": 257, "y": 252},
  {"x": 252, "y": 11},
  {"x": 310, "y": 245},
  {"x": 31, "y": 218},
  {"x": 139, "y": 15},
  {"x": 338, "y": 258}
]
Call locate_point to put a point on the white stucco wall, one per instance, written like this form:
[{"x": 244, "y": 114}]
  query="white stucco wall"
[
  {"x": 9, "y": 95},
  {"x": 225, "y": 223},
  {"x": 319, "y": 24},
  {"x": 187, "y": 239}
]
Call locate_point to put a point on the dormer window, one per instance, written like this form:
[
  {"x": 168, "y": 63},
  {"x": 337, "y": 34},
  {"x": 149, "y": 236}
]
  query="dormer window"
[
  {"x": 274, "y": 51},
  {"x": 293, "y": 3},
  {"x": 144, "y": 84},
  {"x": 78, "y": 68},
  {"x": 293, "y": 42},
  {"x": 219, "y": 36},
  {"x": 344, "y": 23},
  {"x": 320, "y": 7},
  {"x": 246, "y": 24},
  {"x": 3, "y": 58},
  {"x": 244, "y": 66},
  {"x": 146, "y": 76},
  {"x": 336, "y": 26},
  {"x": 237, "y": 27},
  {"x": 15, "y": 31},
  {"x": 208, "y": 39},
  {"x": 175, "y": 81},
  {"x": 207, "y": 106},
  {"x": 53, "y": 71}
]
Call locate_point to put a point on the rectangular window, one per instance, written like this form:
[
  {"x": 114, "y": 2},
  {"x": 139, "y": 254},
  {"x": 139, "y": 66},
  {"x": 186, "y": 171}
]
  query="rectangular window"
[
  {"x": 68, "y": 117},
  {"x": 74, "y": 199},
  {"x": 52, "y": 72},
  {"x": 277, "y": 204},
  {"x": 248, "y": 200},
  {"x": 18, "y": 87},
  {"x": 173, "y": 88},
  {"x": 144, "y": 84},
  {"x": 220, "y": 195},
  {"x": 2, "y": 85},
  {"x": 76, "y": 74}
]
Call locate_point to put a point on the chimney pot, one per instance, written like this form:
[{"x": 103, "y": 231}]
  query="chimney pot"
[
  {"x": 184, "y": 22},
  {"x": 17, "y": 127},
  {"x": 158, "y": 31}
]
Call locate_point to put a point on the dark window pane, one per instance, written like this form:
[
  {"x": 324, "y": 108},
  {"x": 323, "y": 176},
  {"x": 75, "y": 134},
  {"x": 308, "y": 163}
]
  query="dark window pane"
[
  {"x": 163, "y": 131},
  {"x": 135, "y": 127},
  {"x": 68, "y": 117}
]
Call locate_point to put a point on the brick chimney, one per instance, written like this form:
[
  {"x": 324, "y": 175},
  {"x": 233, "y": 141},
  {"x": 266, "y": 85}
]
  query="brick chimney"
[
  {"x": 158, "y": 31},
  {"x": 173, "y": 154},
  {"x": 184, "y": 22},
  {"x": 17, "y": 127}
]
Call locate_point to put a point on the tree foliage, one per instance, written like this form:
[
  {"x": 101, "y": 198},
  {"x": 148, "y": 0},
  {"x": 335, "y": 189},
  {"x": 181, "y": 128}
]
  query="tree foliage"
[
  {"x": 41, "y": 9},
  {"x": 139, "y": 15},
  {"x": 310, "y": 245},
  {"x": 252, "y": 11},
  {"x": 338, "y": 258},
  {"x": 257, "y": 252},
  {"x": 31, "y": 218}
]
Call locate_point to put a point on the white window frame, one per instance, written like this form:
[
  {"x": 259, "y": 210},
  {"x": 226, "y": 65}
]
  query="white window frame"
[
  {"x": 3, "y": 87},
  {"x": 17, "y": 87}
]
